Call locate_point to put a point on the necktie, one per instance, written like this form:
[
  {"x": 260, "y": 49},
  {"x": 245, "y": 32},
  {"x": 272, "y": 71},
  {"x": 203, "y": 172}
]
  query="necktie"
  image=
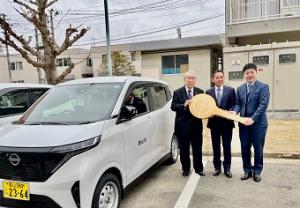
[
  {"x": 249, "y": 88},
  {"x": 190, "y": 96},
  {"x": 219, "y": 96}
]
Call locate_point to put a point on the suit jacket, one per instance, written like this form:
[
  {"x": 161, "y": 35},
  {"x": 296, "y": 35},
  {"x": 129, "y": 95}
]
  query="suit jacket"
[
  {"x": 227, "y": 103},
  {"x": 256, "y": 105},
  {"x": 184, "y": 120}
]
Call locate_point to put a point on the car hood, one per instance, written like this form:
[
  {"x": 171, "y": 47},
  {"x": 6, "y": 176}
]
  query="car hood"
[{"x": 12, "y": 135}]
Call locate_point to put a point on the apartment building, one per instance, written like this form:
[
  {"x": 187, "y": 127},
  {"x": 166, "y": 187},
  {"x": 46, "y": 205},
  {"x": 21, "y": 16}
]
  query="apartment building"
[{"x": 267, "y": 33}]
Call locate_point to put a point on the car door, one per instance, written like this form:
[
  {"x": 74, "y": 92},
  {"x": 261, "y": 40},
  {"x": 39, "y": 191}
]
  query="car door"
[
  {"x": 138, "y": 132},
  {"x": 163, "y": 119}
]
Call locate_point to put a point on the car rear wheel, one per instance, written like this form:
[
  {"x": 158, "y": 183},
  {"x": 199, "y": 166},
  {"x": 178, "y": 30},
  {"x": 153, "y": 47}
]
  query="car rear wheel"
[{"x": 108, "y": 192}]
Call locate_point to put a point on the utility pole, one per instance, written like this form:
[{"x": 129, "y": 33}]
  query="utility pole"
[
  {"x": 108, "y": 39},
  {"x": 7, "y": 52},
  {"x": 52, "y": 25},
  {"x": 38, "y": 53}
]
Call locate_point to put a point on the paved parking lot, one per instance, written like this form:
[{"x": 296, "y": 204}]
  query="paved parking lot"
[{"x": 165, "y": 187}]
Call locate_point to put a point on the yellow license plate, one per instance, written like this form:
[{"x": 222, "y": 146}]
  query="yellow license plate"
[{"x": 16, "y": 190}]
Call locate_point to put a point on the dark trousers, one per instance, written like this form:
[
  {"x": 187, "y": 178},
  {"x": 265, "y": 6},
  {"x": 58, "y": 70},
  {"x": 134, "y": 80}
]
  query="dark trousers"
[
  {"x": 252, "y": 136},
  {"x": 195, "y": 139},
  {"x": 224, "y": 135}
]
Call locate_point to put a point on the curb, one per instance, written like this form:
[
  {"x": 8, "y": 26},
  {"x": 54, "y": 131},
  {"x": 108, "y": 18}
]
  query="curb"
[{"x": 266, "y": 155}]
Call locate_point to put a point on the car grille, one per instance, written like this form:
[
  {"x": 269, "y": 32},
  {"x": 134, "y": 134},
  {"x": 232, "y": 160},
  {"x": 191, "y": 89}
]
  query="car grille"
[{"x": 37, "y": 167}]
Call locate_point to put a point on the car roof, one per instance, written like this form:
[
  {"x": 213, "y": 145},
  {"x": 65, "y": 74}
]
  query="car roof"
[
  {"x": 23, "y": 85},
  {"x": 114, "y": 79}
]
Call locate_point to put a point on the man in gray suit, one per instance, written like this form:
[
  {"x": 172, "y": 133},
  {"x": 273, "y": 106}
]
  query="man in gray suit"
[{"x": 252, "y": 99}]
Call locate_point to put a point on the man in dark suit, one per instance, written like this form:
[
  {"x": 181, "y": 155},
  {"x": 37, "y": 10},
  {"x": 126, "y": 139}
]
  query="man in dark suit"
[
  {"x": 252, "y": 99},
  {"x": 221, "y": 128},
  {"x": 188, "y": 128}
]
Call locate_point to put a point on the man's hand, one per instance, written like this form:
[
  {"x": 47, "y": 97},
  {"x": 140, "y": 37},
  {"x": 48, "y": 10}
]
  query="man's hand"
[
  {"x": 249, "y": 121},
  {"x": 187, "y": 103}
]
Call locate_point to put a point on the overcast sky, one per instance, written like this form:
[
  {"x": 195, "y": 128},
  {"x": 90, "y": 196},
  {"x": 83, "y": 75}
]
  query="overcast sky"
[{"x": 151, "y": 20}]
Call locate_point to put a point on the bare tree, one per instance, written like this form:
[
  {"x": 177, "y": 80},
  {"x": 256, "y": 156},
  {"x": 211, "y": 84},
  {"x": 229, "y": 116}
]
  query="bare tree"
[
  {"x": 34, "y": 11},
  {"x": 121, "y": 65}
]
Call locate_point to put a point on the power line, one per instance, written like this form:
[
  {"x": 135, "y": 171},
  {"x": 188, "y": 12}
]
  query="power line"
[{"x": 159, "y": 29}]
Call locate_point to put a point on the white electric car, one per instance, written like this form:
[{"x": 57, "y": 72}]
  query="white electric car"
[
  {"x": 84, "y": 142},
  {"x": 16, "y": 98}
]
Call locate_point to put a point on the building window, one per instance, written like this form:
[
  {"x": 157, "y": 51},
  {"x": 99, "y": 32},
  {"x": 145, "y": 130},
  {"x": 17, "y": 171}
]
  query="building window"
[
  {"x": 133, "y": 56},
  {"x": 16, "y": 65},
  {"x": 235, "y": 75},
  {"x": 18, "y": 81},
  {"x": 176, "y": 64},
  {"x": 103, "y": 58},
  {"x": 287, "y": 58},
  {"x": 63, "y": 61},
  {"x": 89, "y": 62},
  {"x": 290, "y": 3},
  {"x": 261, "y": 60}
]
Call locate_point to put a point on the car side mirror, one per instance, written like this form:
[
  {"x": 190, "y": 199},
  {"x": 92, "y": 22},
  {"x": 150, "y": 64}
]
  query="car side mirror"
[{"x": 127, "y": 113}]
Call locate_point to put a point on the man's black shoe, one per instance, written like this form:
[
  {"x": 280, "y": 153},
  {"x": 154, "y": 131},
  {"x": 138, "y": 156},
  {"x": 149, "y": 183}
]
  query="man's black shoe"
[
  {"x": 246, "y": 176},
  {"x": 216, "y": 172},
  {"x": 257, "y": 177},
  {"x": 228, "y": 174},
  {"x": 201, "y": 173},
  {"x": 185, "y": 173}
]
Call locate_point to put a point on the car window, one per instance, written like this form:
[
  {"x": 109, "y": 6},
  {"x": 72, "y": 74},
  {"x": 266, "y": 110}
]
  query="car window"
[
  {"x": 37, "y": 93},
  {"x": 75, "y": 104},
  {"x": 138, "y": 98},
  {"x": 14, "y": 102},
  {"x": 159, "y": 97}
]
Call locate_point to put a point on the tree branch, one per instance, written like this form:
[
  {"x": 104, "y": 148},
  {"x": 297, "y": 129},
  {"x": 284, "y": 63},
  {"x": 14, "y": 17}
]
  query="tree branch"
[
  {"x": 9, "y": 32},
  {"x": 51, "y": 3},
  {"x": 65, "y": 73},
  {"x": 25, "y": 6},
  {"x": 67, "y": 42},
  {"x": 22, "y": 52}
]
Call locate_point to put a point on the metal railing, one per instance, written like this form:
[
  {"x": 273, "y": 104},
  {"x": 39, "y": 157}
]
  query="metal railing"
[{"x": 241, "y": 11}]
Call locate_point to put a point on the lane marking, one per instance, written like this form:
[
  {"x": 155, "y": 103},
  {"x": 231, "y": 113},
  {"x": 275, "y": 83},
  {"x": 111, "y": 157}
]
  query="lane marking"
[{"x": 188, "y": 191}]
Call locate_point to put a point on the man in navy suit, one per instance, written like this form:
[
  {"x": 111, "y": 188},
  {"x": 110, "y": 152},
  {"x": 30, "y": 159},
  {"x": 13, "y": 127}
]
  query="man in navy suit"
[
  {"x": 221, "y": 128},
  {"x": 188, "y": 128},
  {"x": 252, "y": 99}
]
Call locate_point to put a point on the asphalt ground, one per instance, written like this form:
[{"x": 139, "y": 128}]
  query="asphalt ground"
[{"x": 165, "y": 187}]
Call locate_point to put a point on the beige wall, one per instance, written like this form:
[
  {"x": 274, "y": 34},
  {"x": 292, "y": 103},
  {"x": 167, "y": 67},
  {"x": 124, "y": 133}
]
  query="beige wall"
[
  {"x": 281, "y": 77},
  {"x": 29, "y": 74},
  {"x": 199, "y": 61}
]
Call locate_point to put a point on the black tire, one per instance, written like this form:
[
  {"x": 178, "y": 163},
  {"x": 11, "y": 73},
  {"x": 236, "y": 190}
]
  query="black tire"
[
  {"x": 108, "y": 182},
  {"x": 174, "y": 150}
]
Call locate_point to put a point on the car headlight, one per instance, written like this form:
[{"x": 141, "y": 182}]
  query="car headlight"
[{"x": 77, "y": 147}]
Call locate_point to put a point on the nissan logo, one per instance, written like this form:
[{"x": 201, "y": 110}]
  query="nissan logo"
[{"x": 14, "y": 159}]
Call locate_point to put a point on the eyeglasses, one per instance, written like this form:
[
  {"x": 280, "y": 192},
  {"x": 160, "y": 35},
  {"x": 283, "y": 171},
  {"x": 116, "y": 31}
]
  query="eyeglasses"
[{"x": 190, "y": 78}]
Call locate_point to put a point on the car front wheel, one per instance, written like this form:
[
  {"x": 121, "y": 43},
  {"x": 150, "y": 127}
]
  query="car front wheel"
[{"x": 108, "y": 192}]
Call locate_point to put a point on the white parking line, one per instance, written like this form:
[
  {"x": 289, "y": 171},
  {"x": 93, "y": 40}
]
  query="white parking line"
[{"x": 188, "y": 191}]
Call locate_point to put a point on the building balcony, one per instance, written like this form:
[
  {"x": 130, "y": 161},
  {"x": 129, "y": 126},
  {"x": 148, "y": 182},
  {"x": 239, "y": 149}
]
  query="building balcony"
[{"x": 272, "y": 20}]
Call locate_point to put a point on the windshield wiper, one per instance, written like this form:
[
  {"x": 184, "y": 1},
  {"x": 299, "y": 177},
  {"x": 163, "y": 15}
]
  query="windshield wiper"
[{"x": 46, "y": 123}]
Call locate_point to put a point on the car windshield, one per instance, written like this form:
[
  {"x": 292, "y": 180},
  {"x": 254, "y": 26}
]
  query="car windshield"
[{"x": 74, "y": 104}]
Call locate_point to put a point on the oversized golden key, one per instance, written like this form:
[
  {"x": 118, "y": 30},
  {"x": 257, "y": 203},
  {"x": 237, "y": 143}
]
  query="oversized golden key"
[{"x": 204, "y": 106}]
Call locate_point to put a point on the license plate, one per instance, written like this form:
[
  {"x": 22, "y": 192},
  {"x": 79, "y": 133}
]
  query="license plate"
[{"x": 16, "y": 190}]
